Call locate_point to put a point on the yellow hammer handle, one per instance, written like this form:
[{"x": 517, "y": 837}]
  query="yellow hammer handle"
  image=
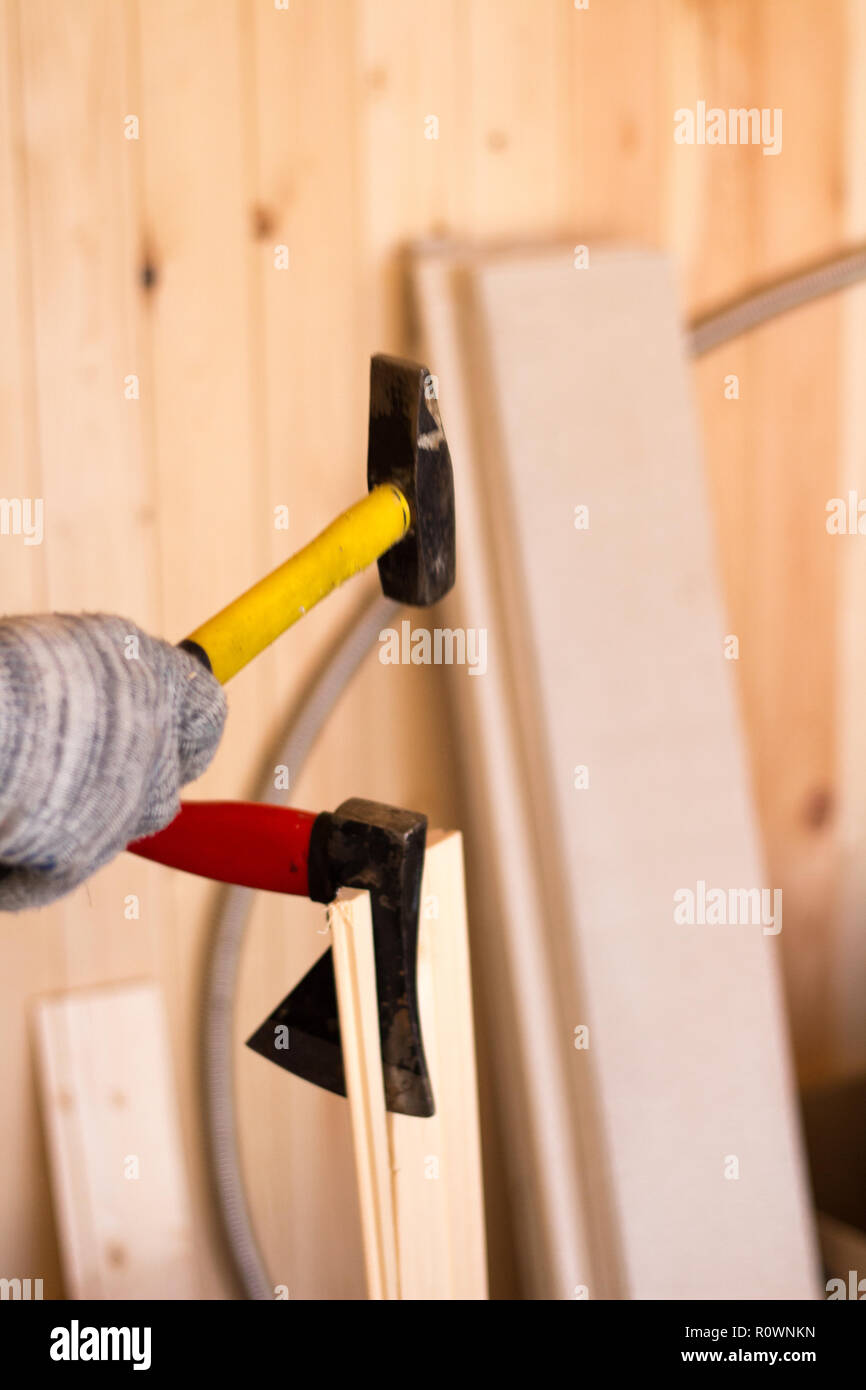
[{"x": 239, "y": 632}]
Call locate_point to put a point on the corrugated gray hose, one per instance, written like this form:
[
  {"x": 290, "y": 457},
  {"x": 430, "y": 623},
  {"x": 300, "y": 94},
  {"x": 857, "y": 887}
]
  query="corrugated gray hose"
[{"x": 301, "y": 732}]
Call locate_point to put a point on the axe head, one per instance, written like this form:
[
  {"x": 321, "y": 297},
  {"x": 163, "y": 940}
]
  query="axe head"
[
  {"x": 407, "y": 446},
  {"x": 363, "y": 844}
]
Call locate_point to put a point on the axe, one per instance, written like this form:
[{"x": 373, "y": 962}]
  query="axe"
[
  {"x": 363, "y": 844},
  {"x": 406, "y": 523}
]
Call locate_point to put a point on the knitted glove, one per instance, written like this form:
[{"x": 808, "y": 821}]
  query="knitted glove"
[{"x": 100, "y": 726}]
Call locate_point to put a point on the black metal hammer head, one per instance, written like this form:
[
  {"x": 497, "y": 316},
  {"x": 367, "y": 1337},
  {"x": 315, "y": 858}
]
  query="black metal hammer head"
[
  {"x": 407, "y": 447},
  {"x": 363, "y": 844}
]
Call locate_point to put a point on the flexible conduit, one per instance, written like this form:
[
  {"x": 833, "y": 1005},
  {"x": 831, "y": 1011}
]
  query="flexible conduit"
[
  {"x": 299, "y": 735},
  {"x": 780, "y": 297}
]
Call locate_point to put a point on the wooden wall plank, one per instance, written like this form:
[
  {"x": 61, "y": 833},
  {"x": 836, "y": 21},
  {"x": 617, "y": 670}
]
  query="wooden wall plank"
[
  {"x": 736, "y": 217},
  {"x": 22, "y": 567},
  {"x": 84, "y": 441},
  {"x": 412, "y": 90},
  {"x": 26, "y": 1238},
  {"x": 204, "y": 352},
  {"x": 512, "y": 100},
  {"x": 83, "y": 246},
  {"x": 848, "y": 942},
  {"x": 615, "y": 136}
]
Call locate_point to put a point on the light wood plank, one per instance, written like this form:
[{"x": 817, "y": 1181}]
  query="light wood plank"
[
  {"x": 351, "y": 923},
  {"x": 420, "y": 1179},
  {"x": 438, "y": 1177},
  {"x": 117, "y": 1164}
]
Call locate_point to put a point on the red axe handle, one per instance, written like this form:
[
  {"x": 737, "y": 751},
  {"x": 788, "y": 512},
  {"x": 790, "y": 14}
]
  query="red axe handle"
[{"x": 252, "y": 845}]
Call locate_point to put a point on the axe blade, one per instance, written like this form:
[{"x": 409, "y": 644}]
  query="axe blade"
[
  {"x": 302, "y": 1035},
  {"x": 311, "y": 1046}
]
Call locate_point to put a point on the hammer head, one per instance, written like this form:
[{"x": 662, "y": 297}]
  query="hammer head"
[
  {"x": 407, "y": 447},
  {"x": 363, "y": 844}
]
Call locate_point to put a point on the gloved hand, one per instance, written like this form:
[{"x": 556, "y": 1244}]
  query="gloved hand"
[{"x": 100, "y": 726}]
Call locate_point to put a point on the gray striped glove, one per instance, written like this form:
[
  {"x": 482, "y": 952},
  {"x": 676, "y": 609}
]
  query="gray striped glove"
[{"x": 100, "y": 726}]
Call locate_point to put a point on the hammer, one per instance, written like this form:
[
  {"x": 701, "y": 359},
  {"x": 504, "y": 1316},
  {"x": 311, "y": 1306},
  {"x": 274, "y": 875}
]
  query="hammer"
[
  {"x": 406, "y": 522},
  {"x": 363, "y": 844}
]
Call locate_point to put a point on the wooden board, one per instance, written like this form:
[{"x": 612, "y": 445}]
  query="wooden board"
[
  {"x": 118, "y": 1177},
  {"x": 351, "y": 924},
  {"x": 422, "y": 1204},
  {"x": 579, "y": 393}
]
